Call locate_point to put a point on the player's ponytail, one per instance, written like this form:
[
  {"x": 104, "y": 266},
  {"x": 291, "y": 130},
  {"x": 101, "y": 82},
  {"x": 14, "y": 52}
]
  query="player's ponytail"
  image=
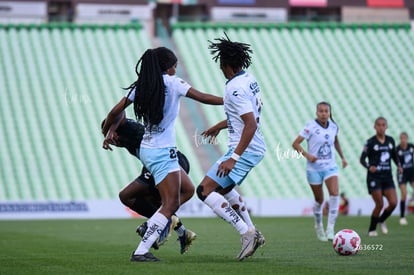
[{"x": 149, "y": 87}]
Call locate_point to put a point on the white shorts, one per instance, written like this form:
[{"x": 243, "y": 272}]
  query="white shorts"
[{"x": 318, "y": 177}]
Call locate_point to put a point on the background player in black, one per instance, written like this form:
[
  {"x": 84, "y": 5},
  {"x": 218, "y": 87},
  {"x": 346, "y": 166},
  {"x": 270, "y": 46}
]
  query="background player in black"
[
  {"x": 405, "y": 152},
  {"x": 141, "y": 195},
  {"x": 380, "y": 149}
]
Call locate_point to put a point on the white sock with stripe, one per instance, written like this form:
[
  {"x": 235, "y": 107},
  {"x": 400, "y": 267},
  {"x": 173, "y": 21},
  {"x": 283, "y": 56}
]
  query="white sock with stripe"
[
  {"x": 222, "y": 208},
  {"x": 155, "y": 226}
]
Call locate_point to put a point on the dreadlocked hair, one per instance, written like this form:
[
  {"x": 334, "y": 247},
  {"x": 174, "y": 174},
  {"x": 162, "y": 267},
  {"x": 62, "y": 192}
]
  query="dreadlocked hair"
[
  {"x": 234, "y": 54},
  {"x": 149, "y": 87},
  {"x": 330, "y": 109}
]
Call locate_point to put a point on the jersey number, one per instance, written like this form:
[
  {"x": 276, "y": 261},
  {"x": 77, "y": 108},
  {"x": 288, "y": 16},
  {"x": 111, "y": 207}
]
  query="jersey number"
[{"x": 173, "y": 154}]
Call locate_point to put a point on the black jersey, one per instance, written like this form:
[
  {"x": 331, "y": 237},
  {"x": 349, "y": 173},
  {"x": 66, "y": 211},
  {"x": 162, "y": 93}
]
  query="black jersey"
[
  {"x": 379, "y": 155},
  {"x": 406, "y": 156}
]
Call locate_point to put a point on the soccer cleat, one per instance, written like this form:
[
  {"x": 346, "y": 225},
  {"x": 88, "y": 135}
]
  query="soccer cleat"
[
  {"x": 330, "y": 234},
  {"x": 372, "y": 233},
  {"x": 320, "y": 233},
  {"x": 403, "y": 221},
  {"x": 260, "y": 239},
  {"x": 384, "y": 228},
  {"x": 249, "y": 240},
  {"x": 147, "y": 257},
  {"x": 186, "y": 240},
  {"x": 142, "y": 229}
]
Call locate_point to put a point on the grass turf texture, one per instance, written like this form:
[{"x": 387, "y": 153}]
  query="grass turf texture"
[{"x": 105, "y": 246}]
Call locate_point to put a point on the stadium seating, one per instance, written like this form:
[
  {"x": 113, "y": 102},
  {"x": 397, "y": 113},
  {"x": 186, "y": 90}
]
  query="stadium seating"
[
  {"x": 362, "y": 70},
  {"x": 57, "y": 84}
]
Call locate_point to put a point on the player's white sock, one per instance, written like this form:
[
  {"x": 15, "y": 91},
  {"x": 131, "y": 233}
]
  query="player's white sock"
[
  {"x": 222, "y": 208},
  {"x": 234, "y": 198},
  {"x": 317, "y": 212},
  {"x": 333, "y": 211},
  {"x": 155, "y": 225}
]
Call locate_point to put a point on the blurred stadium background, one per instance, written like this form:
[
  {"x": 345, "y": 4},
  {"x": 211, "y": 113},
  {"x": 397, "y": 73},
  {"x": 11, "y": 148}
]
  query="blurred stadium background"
[{"x": 63, "y": 64}]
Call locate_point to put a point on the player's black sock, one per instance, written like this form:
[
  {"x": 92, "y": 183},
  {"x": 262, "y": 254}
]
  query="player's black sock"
[
  {"x": 402, "y": 208},
  {"x": 143, "y": 207},
  {"x": 384, "y": 216},
  {"x": 373, "y": 224}
]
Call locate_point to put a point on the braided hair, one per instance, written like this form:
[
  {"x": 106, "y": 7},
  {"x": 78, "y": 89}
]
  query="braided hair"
[
  {"x": 233, "y": 54},
  {"x": 149, "y": 87}
]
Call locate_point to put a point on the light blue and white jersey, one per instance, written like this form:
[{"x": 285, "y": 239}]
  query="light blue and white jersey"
[
  {"x": 242, "y": 96},
  {"x": 163, "y": 134},
  {"x": 320, "y": 144}
]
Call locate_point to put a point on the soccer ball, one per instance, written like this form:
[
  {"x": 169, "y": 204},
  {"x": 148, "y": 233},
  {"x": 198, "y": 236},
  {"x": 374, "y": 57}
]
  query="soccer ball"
[{"x": 346, "y": 242}]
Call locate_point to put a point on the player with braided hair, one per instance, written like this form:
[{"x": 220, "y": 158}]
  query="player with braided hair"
[
  {"x": 156, "y": 96},
  {"x": 141, "y": 195},
  {"x": 242, "y": 106}
]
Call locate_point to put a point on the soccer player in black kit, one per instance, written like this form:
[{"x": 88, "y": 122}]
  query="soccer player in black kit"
[
  {"x": 405, "y": 151},
  {"x": 379, "y": 150}
]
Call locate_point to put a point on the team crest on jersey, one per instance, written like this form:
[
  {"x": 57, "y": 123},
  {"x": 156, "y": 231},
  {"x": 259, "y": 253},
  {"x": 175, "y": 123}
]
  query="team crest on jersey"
[
  {"x": 390, "y": 145},
  {"x": 326, "y": 136},
  {"x": 324, "y": 151},
  {"x": 385, "y": 156}
]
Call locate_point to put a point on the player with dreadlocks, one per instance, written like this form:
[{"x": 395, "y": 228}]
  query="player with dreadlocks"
[
  {"x": 242, "y": 106},
  {"x": 156, "y": 96}
]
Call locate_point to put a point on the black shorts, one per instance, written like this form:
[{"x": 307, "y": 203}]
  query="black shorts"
[
  {"x": 406, "y": 176},
  {"x": 379, "y": 183},
  {"x": 148, "y": 180}
]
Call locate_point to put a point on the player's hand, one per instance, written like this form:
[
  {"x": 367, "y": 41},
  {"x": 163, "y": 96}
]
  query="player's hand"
[
  {"x": 312, "y": 158},
  {"x": 106, "y": 145},
  {"x": 111, "y": 138},
  {"x": 372, "y": 169},
  {"x": 211, "y": 133},
  {"x": 344, "y": 163},
  {"x": 225, "y": 167}
]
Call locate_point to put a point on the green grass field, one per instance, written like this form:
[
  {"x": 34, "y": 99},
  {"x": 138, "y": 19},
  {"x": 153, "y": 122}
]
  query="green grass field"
[{"x": 104, "y": 247}]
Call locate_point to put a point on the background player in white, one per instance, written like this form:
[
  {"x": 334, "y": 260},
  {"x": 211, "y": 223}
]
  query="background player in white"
[
  {"x": 156, "y": 96},
  {"x": 321, "y": 135},
  {"x": 242, "y": 106}
]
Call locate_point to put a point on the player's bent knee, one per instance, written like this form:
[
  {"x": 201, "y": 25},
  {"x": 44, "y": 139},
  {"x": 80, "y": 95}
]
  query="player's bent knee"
[{"x": 200, "y": 190}]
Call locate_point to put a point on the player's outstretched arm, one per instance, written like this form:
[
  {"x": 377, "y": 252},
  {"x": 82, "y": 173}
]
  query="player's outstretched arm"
[
  {"x": 111, "y": 132},
  {"x": 111, "y": 118},
  {"x": 204, "y": 98}
]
